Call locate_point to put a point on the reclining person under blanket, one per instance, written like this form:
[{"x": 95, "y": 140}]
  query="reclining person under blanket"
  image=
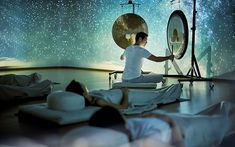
[
  {"x": 14, "y": 87},
  {"x": 124, "y": 98},
  {"x": 171, "y": 128}
]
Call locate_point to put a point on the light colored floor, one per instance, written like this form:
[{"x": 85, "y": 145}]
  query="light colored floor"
[{"x": 200, "y": 96}]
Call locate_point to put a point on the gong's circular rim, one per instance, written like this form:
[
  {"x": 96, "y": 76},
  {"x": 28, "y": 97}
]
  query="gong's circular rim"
[
  {"x": 180, "y": 14},
  {"x": 126, "y": 27}
]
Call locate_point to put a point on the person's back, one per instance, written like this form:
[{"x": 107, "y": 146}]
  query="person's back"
[
  {"x": 134, "y": 60},
  {"x": 134, "y": 55}
]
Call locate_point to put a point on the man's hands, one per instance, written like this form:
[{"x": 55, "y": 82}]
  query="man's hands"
[
  {"x": 122, "y": 57},
  {"x": 171, "y": 57}
]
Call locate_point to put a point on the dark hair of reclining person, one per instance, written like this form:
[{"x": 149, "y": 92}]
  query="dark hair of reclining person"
[
  {"x": 81, "y": 89},
  {"x": 109, "y": 117}
]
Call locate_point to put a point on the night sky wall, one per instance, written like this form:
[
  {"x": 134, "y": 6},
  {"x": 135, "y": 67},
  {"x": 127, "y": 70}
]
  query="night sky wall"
[{"x": 79, "y": 33}]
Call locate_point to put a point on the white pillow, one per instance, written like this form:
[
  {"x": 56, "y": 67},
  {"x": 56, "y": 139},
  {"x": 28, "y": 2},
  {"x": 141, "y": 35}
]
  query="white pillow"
[
  {"x": 65, "y": 101},
  {"x": 88, "y": 136}
]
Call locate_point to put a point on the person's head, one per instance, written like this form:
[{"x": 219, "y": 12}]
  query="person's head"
[
  {"x": 141, "y": 38},
  {"x": 76, "y": 87},
  {"x": 109, "y": 117},
  {"x": 175, "y": 36}
]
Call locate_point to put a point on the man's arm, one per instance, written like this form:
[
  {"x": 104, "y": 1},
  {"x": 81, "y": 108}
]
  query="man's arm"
[{"x": 160, "y": 59}]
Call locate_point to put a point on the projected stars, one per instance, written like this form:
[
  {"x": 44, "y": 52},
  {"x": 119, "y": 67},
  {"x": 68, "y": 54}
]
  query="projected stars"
[{"x": 79, "y": 33}]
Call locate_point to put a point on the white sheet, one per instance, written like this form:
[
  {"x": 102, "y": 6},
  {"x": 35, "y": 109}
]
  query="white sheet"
[
  {"x": 142, "y": 100},
  {"x": 142, "y": 96},
  {"x": 163, "y": 95},
  {"x": 226, "y": 107},
  {"x": 208, "y": 127},
  {"x": 138, "y": 109}
]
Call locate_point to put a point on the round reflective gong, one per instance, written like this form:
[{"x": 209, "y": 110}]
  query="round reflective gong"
[
  {"x": 125, "y": 28},
  {"x": 177, "y": 34}
]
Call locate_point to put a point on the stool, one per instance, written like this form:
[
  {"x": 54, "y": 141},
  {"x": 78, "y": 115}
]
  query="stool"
[{"x": 134, "y": 85}]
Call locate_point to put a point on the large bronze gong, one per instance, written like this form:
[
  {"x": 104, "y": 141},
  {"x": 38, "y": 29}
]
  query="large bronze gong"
[
  {"x": 125, "y": 28},
  {"x": 177, "y": 34}
]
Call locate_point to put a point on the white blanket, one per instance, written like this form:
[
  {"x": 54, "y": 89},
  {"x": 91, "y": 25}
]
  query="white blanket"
[
  {"x": 209, "y": 127},
  {"x": 147, "y": 100},
  {"x": 142, "y": 100}
]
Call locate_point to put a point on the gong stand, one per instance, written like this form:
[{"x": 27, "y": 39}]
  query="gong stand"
[
  {"x": 194, "y": 64},
  {"x": 131, "y": 3},
  {"x": 194, "y": 72}
]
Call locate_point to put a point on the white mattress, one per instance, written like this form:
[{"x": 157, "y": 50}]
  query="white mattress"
[{"x": 42, "y": 111}]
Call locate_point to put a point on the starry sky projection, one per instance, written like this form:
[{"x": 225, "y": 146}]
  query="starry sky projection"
[{"x": 79, "y": 32}]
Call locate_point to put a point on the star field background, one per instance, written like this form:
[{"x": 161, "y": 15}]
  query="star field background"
[{"x": 79, "y": 33}]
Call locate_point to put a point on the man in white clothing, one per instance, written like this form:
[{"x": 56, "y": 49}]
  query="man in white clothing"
[{"x": 134, "y": 56}]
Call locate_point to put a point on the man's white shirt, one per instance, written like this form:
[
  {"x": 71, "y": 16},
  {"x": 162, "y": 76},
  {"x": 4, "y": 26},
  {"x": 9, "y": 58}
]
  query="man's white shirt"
[{"x": 134, "y": 56}]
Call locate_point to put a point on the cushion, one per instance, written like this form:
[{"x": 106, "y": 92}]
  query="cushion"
[
  {"x": 88, "y": 136},
  {"x": 65, "y": 101},
  {"x": 134, "y": 85}
]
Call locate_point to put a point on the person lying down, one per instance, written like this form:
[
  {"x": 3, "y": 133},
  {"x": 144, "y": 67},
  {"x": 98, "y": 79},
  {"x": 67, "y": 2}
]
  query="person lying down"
[
  {"x": 124, "y": 98},
  {"x": 154, "y": 129}
]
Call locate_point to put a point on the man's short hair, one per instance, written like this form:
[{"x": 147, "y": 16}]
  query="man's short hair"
[{"x": 140, "y": 35}]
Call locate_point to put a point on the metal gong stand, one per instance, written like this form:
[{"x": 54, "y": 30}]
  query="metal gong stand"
[{"x": 174, "y": 39}]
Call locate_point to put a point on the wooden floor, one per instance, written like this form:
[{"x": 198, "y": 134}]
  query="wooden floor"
[{"x": 199, "y": 95}]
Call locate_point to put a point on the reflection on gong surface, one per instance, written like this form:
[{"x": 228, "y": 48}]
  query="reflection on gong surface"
[
  {"x": 177, "y": 34},
  {"x": 126, "y": 27}
]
